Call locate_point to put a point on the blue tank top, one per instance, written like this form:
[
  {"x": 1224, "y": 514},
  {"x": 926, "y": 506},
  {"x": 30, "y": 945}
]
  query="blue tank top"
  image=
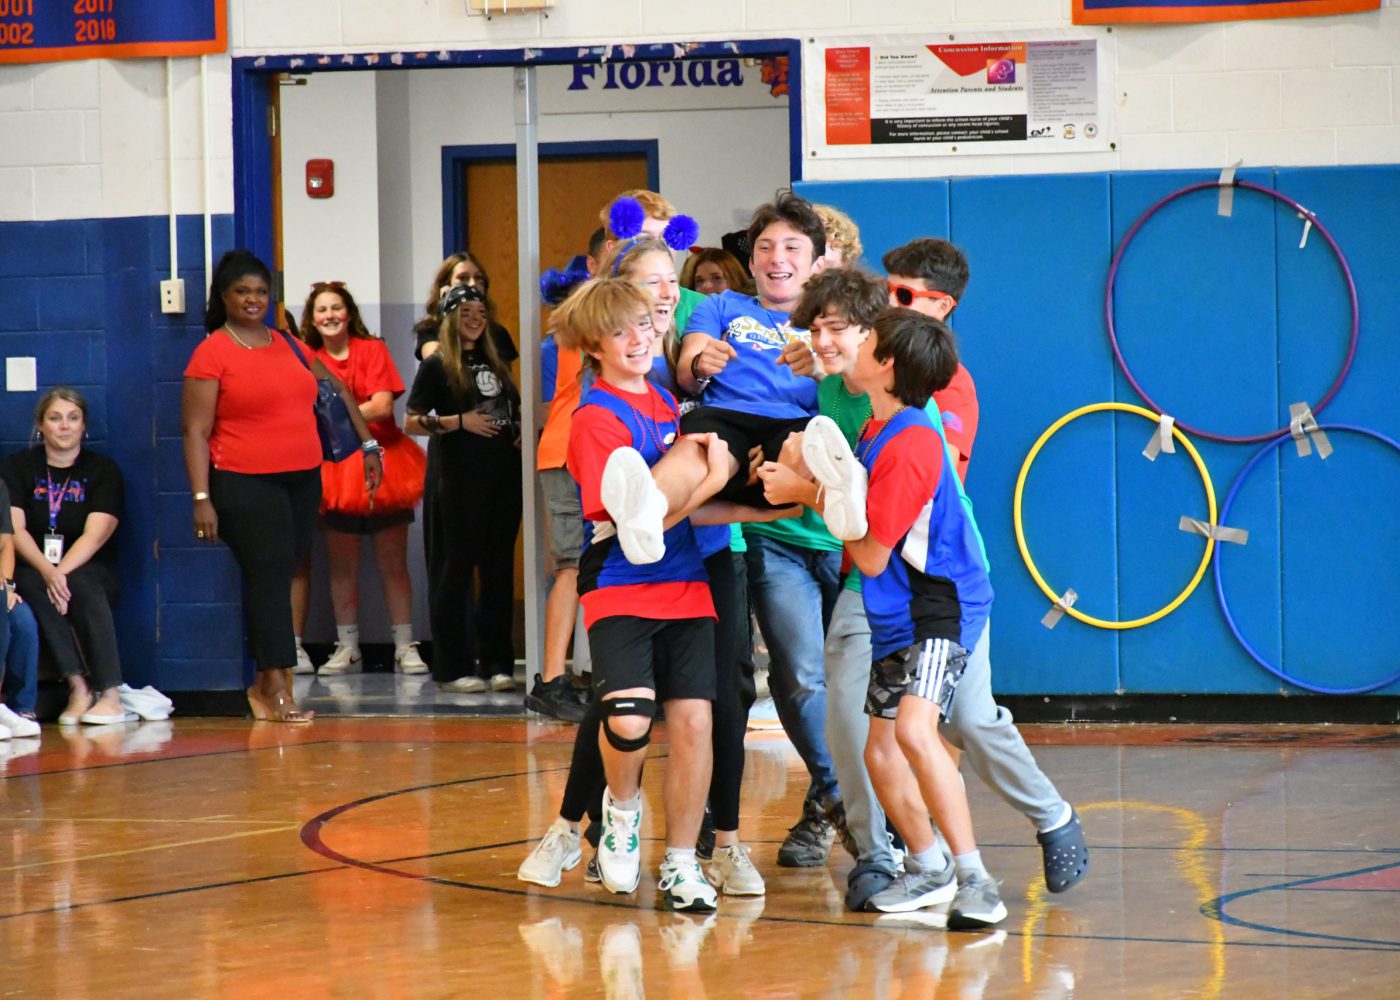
[{"x": 936, "y": 584}]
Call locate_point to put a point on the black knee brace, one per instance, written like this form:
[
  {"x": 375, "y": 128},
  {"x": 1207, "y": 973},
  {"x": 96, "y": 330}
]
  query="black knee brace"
[{"x": 645, "y": 707}]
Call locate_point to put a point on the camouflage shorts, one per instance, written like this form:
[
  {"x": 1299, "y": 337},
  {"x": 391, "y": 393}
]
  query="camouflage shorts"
[{"x": 929, "y": 669}]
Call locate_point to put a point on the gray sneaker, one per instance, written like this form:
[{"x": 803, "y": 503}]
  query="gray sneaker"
[
  {"x": 808, "y": 843},
  {"x": 915, "y": 891},
  {"x": 977, "y": 904}
]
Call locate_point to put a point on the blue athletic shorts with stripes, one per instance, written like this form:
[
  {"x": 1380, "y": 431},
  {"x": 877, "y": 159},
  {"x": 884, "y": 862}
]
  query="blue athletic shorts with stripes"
[{"x": 929, "y": 669}]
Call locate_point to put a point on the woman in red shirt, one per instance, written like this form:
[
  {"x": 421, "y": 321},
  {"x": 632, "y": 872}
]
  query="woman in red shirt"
[
  {"x": 254, "y": 462},
  {"x": 332, "y": 327}
]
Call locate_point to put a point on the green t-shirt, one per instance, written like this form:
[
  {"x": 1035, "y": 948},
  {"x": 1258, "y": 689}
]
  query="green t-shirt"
[{"x": 809, "y": 530}]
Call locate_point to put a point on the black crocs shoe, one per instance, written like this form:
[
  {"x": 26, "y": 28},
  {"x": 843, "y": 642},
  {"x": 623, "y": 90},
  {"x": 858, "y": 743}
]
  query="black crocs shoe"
[
  {"x": 1064, "y": 855},
  {"x": 863, "y": 883}
]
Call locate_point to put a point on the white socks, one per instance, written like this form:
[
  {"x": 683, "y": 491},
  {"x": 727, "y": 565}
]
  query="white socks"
[{"x": 403, "y": 635}]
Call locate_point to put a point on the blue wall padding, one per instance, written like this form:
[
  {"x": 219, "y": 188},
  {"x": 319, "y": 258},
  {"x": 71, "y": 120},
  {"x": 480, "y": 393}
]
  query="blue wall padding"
[{"x": 1224, "y": 321}]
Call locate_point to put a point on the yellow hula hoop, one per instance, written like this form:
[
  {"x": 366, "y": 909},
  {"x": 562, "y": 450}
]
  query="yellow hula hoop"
[{"x": 1021, "y": 534}]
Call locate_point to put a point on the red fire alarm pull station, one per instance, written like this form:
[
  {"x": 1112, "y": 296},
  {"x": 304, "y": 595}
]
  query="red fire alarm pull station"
[{"x": 320, "y": 178}]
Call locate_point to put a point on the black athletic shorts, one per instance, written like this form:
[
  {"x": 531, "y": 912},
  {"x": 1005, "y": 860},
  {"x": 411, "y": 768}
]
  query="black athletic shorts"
[
  {"x": 741, "y": 432},
  {"x": 674, "y": 657}
]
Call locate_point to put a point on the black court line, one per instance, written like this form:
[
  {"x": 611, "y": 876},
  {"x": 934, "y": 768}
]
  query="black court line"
[{"x": 1215, "y": 909}]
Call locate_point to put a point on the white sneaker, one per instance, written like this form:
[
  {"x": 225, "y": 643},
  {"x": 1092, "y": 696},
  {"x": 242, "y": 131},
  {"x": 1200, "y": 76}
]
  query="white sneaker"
[
  {"x": 733, "y": 873},
  {"x": 620, "y": 847},
  {"x": 407, "y": 660},
  {"x": 17, "y": 725},
  {"x": 683, "y": 887},
  {"x": 557, "y": 853},
  {"x": 636, "y": 506},
  {"x": 502, "y": 682},
  {"x": 464, "y": 685},
  {"x": 345, "y": 660},
  {"x": 620, "y": 962},
  {"x": 5, "y": 733},
  {"x": 304, "y": 664},
  {"x": 842, "y": 478}
]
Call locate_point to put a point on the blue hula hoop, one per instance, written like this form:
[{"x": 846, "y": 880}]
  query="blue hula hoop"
[{"x": 1279, "y": 672}]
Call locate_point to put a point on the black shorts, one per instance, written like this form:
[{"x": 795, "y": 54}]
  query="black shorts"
[
  {"x": 674, "y": 657},
  {"x": 929, "y": 669},
  {"x": 741, "y": 432}
]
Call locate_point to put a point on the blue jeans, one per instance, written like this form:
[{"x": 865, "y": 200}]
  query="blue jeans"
[
  {"x": 19, "y": 658},
  {"x": 793, "y": 591}
]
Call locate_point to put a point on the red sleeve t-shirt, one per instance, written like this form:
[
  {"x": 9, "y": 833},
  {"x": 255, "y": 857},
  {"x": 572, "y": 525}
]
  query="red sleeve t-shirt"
[
  {"x": 264, "y": 419},
  {"x": 902, "y": 481},
  {"x": 957, "y": 405},
  {"x": 368, "y": 369},
  {"x": 594, "y": 435}
]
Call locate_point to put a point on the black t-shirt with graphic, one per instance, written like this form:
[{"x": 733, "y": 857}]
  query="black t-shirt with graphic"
[
  {"x": 485, "y": 391},
  {"x": 91, "y": 485}
]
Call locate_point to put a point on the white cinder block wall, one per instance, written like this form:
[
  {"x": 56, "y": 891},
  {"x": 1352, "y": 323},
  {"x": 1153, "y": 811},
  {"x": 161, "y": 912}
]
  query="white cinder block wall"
[{"x": 87, "y": 139}]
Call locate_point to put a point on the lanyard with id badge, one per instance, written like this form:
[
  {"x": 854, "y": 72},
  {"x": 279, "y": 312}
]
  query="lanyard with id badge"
[{"x": 53, "y": 541}]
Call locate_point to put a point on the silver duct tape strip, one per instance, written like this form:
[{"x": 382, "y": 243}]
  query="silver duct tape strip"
[
  {"x": 1303, "y": 428},
  {"x": 1066, "y": 601},
  {"x": 1216, "y": 531},
  {"x": 1161, "y": 440},
  {"x": 1307, "y": 216},
  {"x": 1225, "y": 205}
]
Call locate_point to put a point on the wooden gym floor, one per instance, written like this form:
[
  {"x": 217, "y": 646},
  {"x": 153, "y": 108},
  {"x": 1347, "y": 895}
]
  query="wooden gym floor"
[{"x": 376, "y": 858}]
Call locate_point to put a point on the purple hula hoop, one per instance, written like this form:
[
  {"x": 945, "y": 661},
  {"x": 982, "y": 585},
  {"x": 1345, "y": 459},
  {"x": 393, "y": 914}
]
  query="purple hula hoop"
[{"x": 1113, "y": 333}]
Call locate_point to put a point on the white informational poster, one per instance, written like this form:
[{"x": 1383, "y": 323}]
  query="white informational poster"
[{"x": 993, "y": 93}]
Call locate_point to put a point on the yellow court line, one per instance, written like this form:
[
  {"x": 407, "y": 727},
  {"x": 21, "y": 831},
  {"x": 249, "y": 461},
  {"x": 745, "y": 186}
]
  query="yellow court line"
[
  {"x": 152, "y": 847},
  {"x": 1188, "y": 863}
]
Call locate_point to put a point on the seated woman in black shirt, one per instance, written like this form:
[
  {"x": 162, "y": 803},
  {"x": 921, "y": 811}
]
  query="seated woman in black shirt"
[
  {"x": 464, "y": 399},
  {"x": 66, "y": 502}
]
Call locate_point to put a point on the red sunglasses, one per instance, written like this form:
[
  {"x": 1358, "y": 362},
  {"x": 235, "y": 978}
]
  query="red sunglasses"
[{"x": 905, "y": 295}]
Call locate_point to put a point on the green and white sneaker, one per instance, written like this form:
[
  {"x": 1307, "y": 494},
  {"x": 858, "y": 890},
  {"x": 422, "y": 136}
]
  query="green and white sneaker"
[
  {"x": 620, "y": 847},
  {"x": 683, "y": 887}
]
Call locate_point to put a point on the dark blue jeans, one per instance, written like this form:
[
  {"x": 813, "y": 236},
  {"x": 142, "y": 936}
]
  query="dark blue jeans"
[
  {"x": 19, "y": 658},
  {"x": 793, "y": 591}
]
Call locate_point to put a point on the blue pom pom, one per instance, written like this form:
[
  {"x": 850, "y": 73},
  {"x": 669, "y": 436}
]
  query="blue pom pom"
[
  {"x": 626, "y": 217},
  {"x": 556, "y": 285},
  {"x": 681, "y": 232}
]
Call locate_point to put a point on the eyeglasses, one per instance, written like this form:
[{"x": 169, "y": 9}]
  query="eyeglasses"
[
  {"x": 905, "y": 295},
  {"x": 327, "y": 284}
]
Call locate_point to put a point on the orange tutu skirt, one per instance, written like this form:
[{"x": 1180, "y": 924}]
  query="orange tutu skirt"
[{"x": 343, "y": 483}]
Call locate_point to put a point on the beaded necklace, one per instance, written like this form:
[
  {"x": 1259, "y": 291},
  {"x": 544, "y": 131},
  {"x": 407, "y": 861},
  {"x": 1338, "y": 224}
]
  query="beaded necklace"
[
  {"x": 865, "y": 447},
  {"x": 840, "y": 404},
  {"x": 649, "y": 425}
]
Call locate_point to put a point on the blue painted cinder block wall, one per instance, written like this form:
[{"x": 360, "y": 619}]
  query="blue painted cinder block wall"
[
  {"x": 1225, "y": 322},
  {"x": 82, "y": 298}
]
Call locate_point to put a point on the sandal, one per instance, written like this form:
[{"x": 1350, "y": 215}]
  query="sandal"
[
  {"x": 864, "y": 881},
  {"x": 1064, "y": 854},
  {"x": 281, "y": 709}
]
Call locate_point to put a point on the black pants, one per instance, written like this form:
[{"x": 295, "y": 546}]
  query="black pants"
[
  {"x": 88, "y": 622},
  {"x": 267, "y": 521},
  {"x": 472, "y": 525},
  {"x": 583, "y": 792}
]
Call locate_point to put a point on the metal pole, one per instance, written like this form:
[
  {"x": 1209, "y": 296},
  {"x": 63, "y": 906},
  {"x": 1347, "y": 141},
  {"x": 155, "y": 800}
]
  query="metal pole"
[{"x": 527, "y": 202}]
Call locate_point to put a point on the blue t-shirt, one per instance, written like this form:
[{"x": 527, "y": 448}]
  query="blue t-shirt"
[
  {"x": 753, "y": 381},
  {"x": 936, "y": 584},
  {"x": 549, "y": 368}
]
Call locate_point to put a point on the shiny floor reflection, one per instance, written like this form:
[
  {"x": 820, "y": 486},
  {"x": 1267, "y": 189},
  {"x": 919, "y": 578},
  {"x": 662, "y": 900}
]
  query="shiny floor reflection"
[{"x": 216, "y": 858}]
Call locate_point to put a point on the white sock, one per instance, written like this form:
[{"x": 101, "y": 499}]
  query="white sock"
[
  {"x": 628, "y": 805},
  {"x": 298, "y": 639},
  {"x": 1065, "y": 813},
  {"x": 348, "y": 635},
  {"x": 969, "y": 864},
  {"x": 680, "y": 855},
  {"x": 926, "y": 861},
  {"x": 403, "y": 635}
]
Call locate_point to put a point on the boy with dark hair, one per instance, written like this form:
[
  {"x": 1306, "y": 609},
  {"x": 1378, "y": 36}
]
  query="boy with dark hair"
[
  {"x": 930, "y": 276},
  {"x": 927, "y": 597}
]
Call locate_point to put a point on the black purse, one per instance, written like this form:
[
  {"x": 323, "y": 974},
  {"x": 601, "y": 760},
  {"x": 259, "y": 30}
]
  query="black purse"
[{"x": 339, "y": 439}]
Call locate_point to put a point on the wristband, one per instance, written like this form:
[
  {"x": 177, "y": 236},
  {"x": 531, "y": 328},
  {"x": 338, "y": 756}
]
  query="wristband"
[
  {"x": 700, "y": 380},
  {"x": 201, "y": 495},
  {"x": 370, "y": 446}
]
